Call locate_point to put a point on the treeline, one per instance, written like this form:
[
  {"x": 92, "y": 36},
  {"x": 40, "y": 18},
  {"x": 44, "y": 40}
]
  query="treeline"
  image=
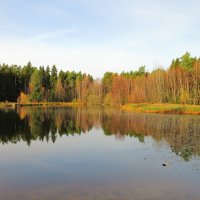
[
  {"x": 178, "y": 84},
  {"x": 29, "y": 83}
]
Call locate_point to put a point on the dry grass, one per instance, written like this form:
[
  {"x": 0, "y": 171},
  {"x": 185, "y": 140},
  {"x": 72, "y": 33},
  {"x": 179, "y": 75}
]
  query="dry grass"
[
  {"x": 163, "y": 108},
  {"x": 7, "y": 105},
  {"x": 42, "y": 104}
]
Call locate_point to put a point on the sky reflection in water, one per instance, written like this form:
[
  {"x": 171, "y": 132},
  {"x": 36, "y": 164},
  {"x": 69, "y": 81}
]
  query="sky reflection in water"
[{"x": 98, "y": 153}]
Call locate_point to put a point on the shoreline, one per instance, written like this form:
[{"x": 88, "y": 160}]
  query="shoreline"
[
  {"x": 161, "y": 108},
  {"x": 39, "y": 104}
]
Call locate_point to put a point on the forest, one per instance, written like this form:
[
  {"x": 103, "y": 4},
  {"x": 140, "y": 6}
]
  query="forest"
[{"x": 179, "y": 84}]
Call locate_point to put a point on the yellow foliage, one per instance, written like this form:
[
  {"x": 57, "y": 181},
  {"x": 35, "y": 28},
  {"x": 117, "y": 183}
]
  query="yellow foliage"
[
  {"x": 108, "y": 99},
  {"x": 184, "y": 97},
  {"x": 22, "y": 99}
]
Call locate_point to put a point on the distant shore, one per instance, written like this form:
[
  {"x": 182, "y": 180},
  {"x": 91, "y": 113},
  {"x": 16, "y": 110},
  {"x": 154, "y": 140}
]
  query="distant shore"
[
  {"x": 40, "y": 104},
  {"x": 162, "y": 108},
  {"x": 135, "y": 107}
]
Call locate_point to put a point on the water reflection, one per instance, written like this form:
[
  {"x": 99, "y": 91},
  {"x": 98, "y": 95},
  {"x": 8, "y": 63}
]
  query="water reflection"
[{"x": 28, "y": 124}]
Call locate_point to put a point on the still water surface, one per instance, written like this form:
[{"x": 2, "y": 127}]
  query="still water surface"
[{"x": 98, "y": 153}]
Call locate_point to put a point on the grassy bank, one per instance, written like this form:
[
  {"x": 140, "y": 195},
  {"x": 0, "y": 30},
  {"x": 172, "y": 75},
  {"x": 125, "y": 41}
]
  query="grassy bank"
[
  {"x": 163, "y": 108},
  {"x": 51, "y": 104},
  {"x": 139, "y": 107},
  {"x": 42, "y": 104},
  {"x": 7, "y": 105}
]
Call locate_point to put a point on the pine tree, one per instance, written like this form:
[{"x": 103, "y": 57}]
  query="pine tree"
[{"x": 36, "y": 86}]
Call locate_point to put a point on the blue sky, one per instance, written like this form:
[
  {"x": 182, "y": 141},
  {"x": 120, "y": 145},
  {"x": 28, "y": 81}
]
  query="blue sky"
[{"x": 98, "y": 36}]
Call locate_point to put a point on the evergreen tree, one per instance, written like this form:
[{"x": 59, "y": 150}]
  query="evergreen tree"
[
  {"x": 53, "y": 81},
  {"x": 47, "y": 84},
  {"x": 36, "y": 86}
]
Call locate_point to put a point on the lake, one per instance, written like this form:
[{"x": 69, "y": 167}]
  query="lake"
[{"x": 98, "y": 153}]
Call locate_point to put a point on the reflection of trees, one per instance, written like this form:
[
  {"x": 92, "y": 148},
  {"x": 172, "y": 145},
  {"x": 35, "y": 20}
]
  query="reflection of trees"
[
  {"x": 28, "y": 124},
  {"x": 180, "y": 131},
  {"x": 12, "y": 128}
]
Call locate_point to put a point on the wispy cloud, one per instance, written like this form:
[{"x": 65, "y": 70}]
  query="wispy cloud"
[
  {"x": 96, "y": 36},
  {"x": 52, "y": 35}
]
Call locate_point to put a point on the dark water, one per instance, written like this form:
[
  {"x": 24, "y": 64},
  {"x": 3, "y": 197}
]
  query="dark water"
[{"x": 98, "y": 153}]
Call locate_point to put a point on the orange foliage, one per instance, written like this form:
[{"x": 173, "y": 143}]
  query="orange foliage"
[{"x": 22, "y": 99}]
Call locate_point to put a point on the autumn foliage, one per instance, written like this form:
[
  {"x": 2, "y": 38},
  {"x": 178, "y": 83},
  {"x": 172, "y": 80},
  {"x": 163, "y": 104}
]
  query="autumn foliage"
[
  {"x": 23, "y": 98},
  {"x": 179, "y": 84}
]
